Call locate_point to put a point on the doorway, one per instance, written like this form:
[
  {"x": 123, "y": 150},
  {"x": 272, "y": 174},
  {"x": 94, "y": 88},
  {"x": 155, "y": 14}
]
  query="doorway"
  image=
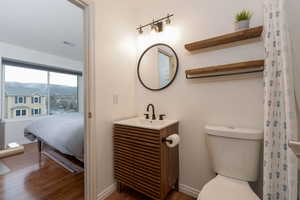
[{"x": 45, "y": 100}]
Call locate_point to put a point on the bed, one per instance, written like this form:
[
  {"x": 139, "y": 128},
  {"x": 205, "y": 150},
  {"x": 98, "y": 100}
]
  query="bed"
[{"x": 63, "y": 132}]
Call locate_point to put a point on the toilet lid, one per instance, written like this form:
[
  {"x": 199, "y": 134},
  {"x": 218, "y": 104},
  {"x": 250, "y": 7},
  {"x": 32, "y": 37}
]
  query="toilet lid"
[{"x": 224, "y": 188}]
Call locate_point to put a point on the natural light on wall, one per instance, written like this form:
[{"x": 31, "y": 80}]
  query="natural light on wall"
[{"x": 169, "y": 35}]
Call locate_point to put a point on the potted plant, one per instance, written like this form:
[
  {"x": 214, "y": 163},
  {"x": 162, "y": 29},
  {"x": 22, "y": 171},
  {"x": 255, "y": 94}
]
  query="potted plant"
[{"x": 242, "y": 19}]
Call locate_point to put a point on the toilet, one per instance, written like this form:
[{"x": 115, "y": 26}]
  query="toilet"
[{"x": 235, "y": 156}]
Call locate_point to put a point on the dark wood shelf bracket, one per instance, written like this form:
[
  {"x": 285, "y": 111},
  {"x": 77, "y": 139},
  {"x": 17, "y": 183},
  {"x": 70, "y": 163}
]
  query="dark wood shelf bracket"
[{"x": 248, "y": 67}]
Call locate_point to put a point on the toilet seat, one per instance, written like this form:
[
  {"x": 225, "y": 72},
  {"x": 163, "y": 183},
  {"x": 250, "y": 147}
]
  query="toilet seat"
[{"x": 224, "y": 188}]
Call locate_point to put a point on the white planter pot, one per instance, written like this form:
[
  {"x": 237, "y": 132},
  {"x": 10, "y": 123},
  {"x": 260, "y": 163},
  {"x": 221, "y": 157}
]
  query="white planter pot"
[{"x": 241, "y": 25}]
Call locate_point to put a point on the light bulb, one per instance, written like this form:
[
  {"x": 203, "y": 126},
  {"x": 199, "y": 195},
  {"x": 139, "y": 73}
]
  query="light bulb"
[
  {"x": 140, "y": 31},
  {"x": 153, "y": 28},
  {"x": 168, "y": 21}
]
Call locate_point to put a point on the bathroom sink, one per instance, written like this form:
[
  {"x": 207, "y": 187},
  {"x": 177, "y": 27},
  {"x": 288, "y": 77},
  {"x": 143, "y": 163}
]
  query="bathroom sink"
[
  {"x": 295, "y": 146},
  {"x": 146, "y": 123}
]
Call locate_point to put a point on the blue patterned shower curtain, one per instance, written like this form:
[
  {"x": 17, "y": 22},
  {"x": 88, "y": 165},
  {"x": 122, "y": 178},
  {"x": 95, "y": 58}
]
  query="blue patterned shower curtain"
[{"x": 280, "y": 163}]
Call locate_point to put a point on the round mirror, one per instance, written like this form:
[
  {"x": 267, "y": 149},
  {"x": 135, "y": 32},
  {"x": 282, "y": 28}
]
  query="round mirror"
[{"x": 157, "y": 67}]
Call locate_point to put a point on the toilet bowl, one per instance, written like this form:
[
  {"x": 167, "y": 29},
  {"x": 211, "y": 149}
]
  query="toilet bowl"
[
  {"x": 224, "y": 188},
  {"x": 235, "y": 158}
]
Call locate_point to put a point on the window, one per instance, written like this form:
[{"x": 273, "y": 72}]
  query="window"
[
  {"x": 63, "y": 89},
  {"x": 19, "y": 100},
  {"x": 40, "y": 91},
  {"x": 21, "y": 112},
  {"x": 36, "y": 100},
  {"x": 18, "y": 112},
  {"x": 36, "y": 111}
]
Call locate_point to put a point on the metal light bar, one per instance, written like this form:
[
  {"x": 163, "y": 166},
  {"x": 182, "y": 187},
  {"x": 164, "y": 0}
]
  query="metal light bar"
[{"x": 154, "y": 22}]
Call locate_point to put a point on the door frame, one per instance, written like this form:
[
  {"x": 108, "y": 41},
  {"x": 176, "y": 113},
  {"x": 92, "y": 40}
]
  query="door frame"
[{"x": 90, "y": 158}]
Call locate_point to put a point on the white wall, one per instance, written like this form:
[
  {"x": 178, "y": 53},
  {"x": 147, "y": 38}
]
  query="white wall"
[
  {"x": 196, "y": 103},
  {"x": 29, "y": 55},
  {"x": 43, "y": 26},
  {"x": 115, "y": 54},
  {"x": 14, "y": 129},
  {"x": 292, "y": 10}
]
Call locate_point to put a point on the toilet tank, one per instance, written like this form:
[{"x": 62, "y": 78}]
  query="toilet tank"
[{"x": 235, "y": 152}]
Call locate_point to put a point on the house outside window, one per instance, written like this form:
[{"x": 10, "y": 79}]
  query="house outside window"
[
  {"x": 20, "y": 112},
  {"x": 36, "y": 99},
  {"x": 40, "y": 92},
  {"x": 20, "y": 99},
  {"x": 36, "y": 111}
]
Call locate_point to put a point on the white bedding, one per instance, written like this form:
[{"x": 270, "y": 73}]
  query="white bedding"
[{"x": 64, "y": 132}]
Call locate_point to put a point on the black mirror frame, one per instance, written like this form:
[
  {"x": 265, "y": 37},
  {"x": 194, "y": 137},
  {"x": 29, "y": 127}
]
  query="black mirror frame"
[{"x": 140, "y": 59}]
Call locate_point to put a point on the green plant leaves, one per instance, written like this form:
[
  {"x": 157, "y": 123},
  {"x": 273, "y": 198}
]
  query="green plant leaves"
[{"x": 243, "y": 15}]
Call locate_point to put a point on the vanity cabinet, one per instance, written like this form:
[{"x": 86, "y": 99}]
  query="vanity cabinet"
[{"x": 143, "y": 162}]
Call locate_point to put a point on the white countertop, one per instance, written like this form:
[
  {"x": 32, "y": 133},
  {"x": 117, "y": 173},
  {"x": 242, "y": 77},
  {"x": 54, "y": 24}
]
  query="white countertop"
[{"x": 145, "y": 123}]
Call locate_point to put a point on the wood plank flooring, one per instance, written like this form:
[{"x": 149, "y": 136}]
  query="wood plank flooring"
[
  {"x": 31, "y": 180},
  {"x": 129, "y": 194}
]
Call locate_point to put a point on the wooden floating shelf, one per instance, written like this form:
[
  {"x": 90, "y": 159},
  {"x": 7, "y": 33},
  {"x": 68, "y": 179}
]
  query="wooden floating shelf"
[
  {"x": 226, "y": 39},
  {"x": 228, "y": 69}
]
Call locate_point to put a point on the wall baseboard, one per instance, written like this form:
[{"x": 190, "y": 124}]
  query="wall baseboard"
[
  {"x": 189, "y": 190},
  {"x": 107, "y": 191},
  {"x": 182, "y": 188}
]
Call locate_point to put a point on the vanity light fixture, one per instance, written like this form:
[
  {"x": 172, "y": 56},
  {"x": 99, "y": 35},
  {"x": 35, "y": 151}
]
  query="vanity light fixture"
[
  {"x": 168, "y": 20},
  {"x": 140, "y": 29},
  {"x": 153, "y": 26},
  {"x": 156, "y": 25}
]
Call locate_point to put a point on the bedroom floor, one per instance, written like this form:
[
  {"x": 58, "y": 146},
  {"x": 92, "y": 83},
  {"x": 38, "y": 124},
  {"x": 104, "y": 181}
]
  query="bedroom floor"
[{"x": 29, "y": 180}]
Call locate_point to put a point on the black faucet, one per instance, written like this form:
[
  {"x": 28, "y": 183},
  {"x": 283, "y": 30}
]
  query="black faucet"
[{"x": 153, "y": 111}]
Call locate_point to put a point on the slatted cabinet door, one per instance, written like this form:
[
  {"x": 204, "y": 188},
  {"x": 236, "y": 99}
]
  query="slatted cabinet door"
[
  {"x": 123, "y": 161},
  {"x": 138, "y": 159}
]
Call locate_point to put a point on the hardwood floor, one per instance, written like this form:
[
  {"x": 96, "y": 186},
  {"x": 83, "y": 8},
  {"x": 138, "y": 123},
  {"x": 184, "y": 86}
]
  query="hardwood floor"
[
  {"x": 129, "y": 194},
  {"x": 31, "y": 180}
]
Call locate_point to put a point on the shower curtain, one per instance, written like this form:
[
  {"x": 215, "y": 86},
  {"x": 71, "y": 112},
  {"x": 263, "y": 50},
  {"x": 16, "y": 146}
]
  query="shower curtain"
[{"x": 280, "y": 163}]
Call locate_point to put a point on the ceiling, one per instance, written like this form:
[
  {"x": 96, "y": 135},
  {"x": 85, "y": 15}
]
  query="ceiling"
[{"x": 43, "y": 25}]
